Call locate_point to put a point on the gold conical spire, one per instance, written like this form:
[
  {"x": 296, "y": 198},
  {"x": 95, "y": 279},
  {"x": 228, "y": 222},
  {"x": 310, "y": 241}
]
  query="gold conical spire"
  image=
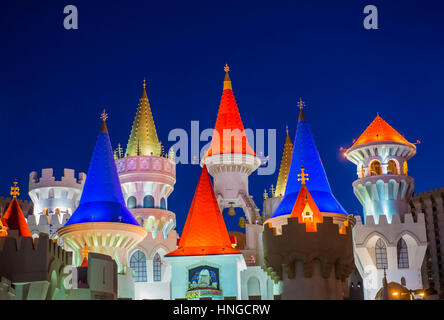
[
  {"x": 285, "y": 167},
  {"x": 143, "y": 137},
  {"x": 227, "y": 80}
]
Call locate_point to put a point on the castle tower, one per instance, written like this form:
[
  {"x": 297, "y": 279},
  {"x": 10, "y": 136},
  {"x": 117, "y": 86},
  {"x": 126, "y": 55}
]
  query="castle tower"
[
  {"x": 307, "y": 251},
  {"x": 230, "y": 159},
  {"x": 272, "y": 201},
  {"x": 147, "y": 178},
  {"x": 54, "y": 200},
  {"x": 205, "y": 265},
  {"x": 389, "y": 237},
  {"x": 102, "y": 223},
  {"x": 13, "y": 218},
  {"x": 305, "y": 154}
]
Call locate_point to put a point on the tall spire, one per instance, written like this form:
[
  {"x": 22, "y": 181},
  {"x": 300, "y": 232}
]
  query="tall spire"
[
  {"x": 285, "y": 167},
  {"x": 102, "y": 199},
  {"x": 204, "y": 232},
  {"x": 305, "y": 153},
  {"x": 229, "y": 133},
  {"x": 13, "y": 219},
  {"x": 143, "y": 130}
]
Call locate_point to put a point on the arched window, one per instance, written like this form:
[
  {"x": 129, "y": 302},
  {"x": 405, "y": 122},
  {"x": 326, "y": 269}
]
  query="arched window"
[
  {"x": 138, "y": 264},
  {"x": 375, "y": 168},
  {"x": 381, "y": 255},
  {"x": 392, "y": 167},
  {"x": 157, "y": 273},
  {"x": 148, "y": 201},
  {"x": 254, "y": 289},
  {"x": 403, "y": 254},
  {"x": 131, "y": 202},
  {"x": 163, "y": 203},
  {"x": 403, "y": 281}
]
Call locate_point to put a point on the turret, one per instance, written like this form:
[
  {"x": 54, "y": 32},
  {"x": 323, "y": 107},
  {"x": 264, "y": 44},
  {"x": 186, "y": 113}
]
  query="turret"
[
  {"x": 102, "y": 223},
  {"x": 389, "y": 241},
  {"x": 230, "y": 158},
  {"x": 380, "y": 154}
]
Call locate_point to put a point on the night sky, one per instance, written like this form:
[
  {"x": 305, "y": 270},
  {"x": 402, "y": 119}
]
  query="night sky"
[{"x": 54, "y": 83}]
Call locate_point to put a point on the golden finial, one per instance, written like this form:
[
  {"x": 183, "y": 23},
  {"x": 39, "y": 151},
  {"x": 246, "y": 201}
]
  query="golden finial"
[
  {"x": 104, "y": 115},
  {"x": 144, "y": 83},
  {"x": 15, "y": 190},
  {"x": 226, "y": 68},
  {"x": 286, "y": 128},
  {"x": 302, "y": 176},
  {"x": 301, "y": 104}
]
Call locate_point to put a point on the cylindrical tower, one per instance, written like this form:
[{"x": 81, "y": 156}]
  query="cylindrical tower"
[
  {"x": 230, "y": 159},
  {"x": 51, "y": 197},
  {"x": 383, "y": 186}
]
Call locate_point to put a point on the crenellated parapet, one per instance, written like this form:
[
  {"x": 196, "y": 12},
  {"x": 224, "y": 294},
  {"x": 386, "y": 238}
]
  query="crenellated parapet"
[
  {"x": 23, "y": 259},
  {"x": 309, "y": 259},
  {"x": 52, "y": 196}
]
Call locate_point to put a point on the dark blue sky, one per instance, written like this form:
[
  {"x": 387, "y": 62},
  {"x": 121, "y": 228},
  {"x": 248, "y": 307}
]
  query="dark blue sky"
[{"x": 54, "y": 83}]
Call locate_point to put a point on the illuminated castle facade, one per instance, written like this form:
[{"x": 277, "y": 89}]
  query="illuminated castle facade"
[
  {"x": 114, "y": 223},
  {"x": 389, "y": 239}
]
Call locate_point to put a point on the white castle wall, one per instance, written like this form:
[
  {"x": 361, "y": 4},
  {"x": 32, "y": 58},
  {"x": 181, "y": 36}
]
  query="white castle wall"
[{"x": 365, "y": 238}]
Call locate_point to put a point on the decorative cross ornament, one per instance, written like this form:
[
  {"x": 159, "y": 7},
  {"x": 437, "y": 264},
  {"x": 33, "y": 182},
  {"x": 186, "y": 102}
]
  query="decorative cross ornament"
[
  {"x": 303, "y": 176},
  {"x": 104, "y": 115},
  {"x": 226, "y": 68},
  {"x": 301, "y": 104},
  {"x": 15, "y": 190}
]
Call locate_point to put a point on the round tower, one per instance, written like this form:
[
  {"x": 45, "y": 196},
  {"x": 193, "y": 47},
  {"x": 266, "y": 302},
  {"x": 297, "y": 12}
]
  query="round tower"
[
  {"x": 102, "y": 223},
  {"x": 147, "y": 177},
  {"x": 383, "y": 186},
  {"x": 55, "y": 199},
  {"x": 146, "y": 174},
  {"x": 230, "y": 159}
]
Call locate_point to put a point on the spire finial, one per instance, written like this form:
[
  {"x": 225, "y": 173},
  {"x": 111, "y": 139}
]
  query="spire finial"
[
  {"x": 104, "y": 116},
  {"x": 286, "y": 128},
  {"x": 15, "y": 190},
  {"x": 303, "y": 176},
  {"x": 227, "y": 80},
  {"x": 144, "y": 83},
  {"x": 301, "y": 105}
]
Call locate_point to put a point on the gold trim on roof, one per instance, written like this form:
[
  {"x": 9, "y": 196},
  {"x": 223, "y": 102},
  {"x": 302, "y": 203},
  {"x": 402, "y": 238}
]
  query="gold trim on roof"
[{"x": 143, "y": 138}]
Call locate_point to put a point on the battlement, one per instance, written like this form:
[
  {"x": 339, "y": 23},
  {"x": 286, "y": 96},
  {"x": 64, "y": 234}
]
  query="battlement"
[
  {"x": 396, "y": 220},
  {"x": 295, "y": 244},
  {"x": 47, "y": 179},
  {"x": 23, "y": 259},
  {"x": 435, "y": 193}
]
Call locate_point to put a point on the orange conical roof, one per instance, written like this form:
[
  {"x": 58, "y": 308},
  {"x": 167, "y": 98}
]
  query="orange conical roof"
[
  {"x": 306, "y": 210},
  {"x": 229, "y": 122},
  {"x": 204, "y": 232},
  {"x": 14, "y": 219},
  {"x": 379, "y": 130}
]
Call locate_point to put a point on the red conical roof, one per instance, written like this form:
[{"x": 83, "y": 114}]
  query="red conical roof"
[
  {"x": 229, "y": 123},
  {"x": 306, "y": 210},
  {"x": 204, "y": 232},
  {"x": 14, "y": 219},
  {"x": 380, "y": 130}
]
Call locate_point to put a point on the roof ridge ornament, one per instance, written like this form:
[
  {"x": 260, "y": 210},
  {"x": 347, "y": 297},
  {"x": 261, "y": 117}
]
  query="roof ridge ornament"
[
  {"x": 303, "y": 176},
  {"x": 15, "y": 191},
  {"x": 301, "y": 105}
]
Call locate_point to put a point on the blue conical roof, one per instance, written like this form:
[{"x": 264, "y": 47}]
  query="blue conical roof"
[
  {"x": 305, "y": 153},
  {"x": 102, "y": 199}
]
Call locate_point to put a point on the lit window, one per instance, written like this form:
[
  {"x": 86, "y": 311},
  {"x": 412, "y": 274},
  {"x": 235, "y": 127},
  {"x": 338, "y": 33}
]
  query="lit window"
[
  {"x": 131, "y": 202},
  {"x": 403, "y": 255},
  {"x": 375, "y": 168},
  {"x": 157, "y": 275},
  {"x": 391, "y": 167},
  {"x": 148, "y": 201},
  {"x": 381, "y": 255},
  {"x": 138, "y": 264}
]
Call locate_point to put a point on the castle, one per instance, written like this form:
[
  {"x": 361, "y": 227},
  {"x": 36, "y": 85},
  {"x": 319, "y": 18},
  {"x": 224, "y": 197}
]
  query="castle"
[{"x": 111, "y": 233}]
